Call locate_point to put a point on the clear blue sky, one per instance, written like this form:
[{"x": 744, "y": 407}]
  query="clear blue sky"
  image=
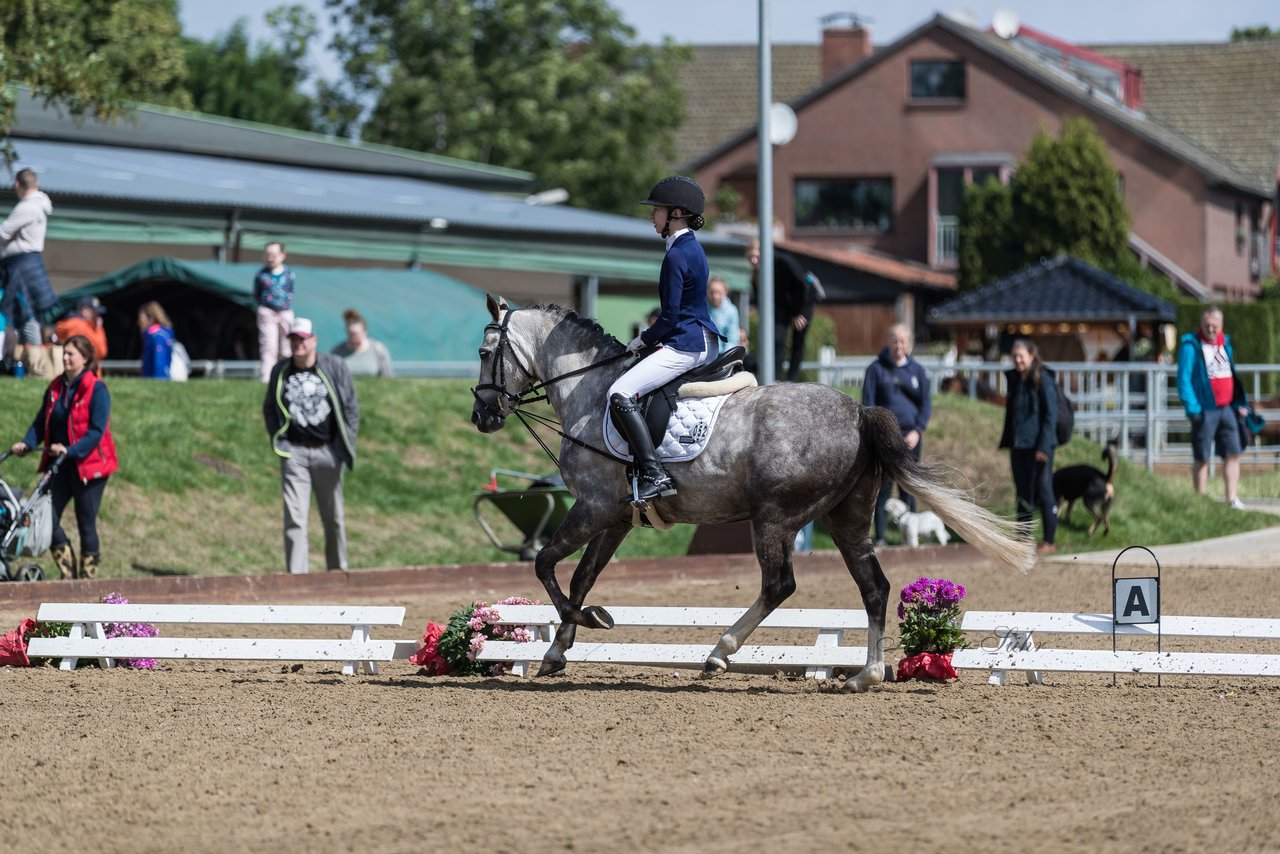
[{"x": 796, "y": 21}]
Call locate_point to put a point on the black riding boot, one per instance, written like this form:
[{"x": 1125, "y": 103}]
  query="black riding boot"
[{"x": 654, "y": 480}]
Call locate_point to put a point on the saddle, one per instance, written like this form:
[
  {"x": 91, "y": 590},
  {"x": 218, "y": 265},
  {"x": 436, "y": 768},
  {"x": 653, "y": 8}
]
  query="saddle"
[{"x": 658, "y": 404}]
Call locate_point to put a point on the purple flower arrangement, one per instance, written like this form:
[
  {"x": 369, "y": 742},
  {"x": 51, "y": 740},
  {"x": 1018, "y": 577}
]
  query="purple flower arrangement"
[
  {"x": 930, "y": 615},
  {"x": 129, "y": 630}
]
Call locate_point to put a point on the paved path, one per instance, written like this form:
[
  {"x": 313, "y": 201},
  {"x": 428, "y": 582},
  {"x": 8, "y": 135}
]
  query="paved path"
[{"x": 1253, "y": 548}]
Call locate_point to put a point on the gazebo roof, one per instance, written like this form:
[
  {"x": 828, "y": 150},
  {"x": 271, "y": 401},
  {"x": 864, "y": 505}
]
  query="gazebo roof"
[{"x": 1062, "y": 289}]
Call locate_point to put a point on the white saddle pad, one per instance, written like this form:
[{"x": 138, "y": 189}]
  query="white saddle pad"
[{"x": 688, "y": 430}]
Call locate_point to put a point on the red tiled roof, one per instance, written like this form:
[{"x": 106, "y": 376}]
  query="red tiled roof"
[{"x": 876, "y": 263}]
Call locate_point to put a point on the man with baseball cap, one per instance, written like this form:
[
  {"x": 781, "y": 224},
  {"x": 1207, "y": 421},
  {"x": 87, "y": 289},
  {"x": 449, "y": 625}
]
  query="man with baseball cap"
[
  {"x": 312, "y": 419},
  {"x": 86, "y": 320}
]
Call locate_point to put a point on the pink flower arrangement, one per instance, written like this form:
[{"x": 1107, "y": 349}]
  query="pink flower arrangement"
[
  {"x": 454, "y": 648},
  {"x": 129, "y": 630}
]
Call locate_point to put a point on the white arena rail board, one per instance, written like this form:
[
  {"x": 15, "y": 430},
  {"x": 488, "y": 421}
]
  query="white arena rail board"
[
  {"x": 88, "y": 638},
  {"x": 1014, "y": 647}
]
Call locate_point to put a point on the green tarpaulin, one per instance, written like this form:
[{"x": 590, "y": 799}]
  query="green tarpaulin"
[{"x": 419, "y": 315}]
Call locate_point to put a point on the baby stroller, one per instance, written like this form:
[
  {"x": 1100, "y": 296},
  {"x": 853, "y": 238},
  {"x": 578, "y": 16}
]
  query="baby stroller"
[
  {"x": 26, "y": 526},
  {"x": 535, "y": 510}
]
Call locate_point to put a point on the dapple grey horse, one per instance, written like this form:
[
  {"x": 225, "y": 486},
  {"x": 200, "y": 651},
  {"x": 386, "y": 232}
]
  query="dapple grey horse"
[{"x": 779, "y": 456}]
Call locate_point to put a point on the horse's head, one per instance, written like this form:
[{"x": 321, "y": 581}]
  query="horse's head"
[{"x": 503, "y": 376}]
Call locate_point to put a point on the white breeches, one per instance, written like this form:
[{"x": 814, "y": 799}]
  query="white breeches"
[{"x": 662, "y": 366}]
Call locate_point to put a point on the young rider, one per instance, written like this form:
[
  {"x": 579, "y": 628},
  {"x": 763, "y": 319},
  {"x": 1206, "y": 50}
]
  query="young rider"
[{"x": 684, "y": 335}]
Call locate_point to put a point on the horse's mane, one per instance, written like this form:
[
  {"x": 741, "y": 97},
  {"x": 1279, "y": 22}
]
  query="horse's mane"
[{"x": 586, "y": 325}]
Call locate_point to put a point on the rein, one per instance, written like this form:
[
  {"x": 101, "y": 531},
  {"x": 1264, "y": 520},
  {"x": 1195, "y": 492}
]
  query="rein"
[{"x": 537, "y": 390}]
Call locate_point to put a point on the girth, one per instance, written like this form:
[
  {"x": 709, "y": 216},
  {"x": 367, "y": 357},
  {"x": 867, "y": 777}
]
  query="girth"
[{"x": 658, "y": 404}]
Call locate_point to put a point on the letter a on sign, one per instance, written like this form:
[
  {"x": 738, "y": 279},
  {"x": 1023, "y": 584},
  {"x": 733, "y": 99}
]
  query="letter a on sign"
[{"x": 1137, "y": 600}]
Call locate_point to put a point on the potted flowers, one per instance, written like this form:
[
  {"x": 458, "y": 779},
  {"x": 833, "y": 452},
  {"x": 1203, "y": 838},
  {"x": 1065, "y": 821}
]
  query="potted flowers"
[
  {"x": 452, "y": 649},
  {"x": 930, "y": 624}
]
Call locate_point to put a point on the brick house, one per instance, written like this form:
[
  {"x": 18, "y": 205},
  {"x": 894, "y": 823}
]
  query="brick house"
[{"x": 889, "y": 137}]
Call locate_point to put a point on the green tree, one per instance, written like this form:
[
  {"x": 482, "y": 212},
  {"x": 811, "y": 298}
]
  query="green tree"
[
  {"x": 559, "y": 88},
  {"x": 1065, "y": 197},
  {"x": 228, "y": 76},
  {"x": 986, "y": 241},
  {"x": 1252, "y": 34},
  {"x": 89, "y": 57}
]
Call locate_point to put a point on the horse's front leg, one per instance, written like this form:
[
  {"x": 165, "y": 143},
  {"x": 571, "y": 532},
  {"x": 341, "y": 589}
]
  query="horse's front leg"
[
  {"x": 577, "y": 529},
  {"x": 601, "y": 548},
  {"x": 774, "y": 542}
]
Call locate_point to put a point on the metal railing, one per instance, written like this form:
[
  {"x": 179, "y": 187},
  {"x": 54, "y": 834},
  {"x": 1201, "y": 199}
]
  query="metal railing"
[{"x": 1135, "y": 404}]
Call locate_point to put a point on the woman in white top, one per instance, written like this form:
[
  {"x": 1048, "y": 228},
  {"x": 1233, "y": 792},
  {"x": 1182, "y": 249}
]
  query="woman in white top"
[{"x": 364, "y": 356}]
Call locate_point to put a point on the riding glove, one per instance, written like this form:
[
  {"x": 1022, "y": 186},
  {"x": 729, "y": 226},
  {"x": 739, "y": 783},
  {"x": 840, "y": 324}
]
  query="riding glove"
[{"x": 637, "y": 344}]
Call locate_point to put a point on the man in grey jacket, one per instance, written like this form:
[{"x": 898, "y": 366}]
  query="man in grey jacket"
[
  {"x": 312, "y": 418},
  {"x": 24, "y": 282}
]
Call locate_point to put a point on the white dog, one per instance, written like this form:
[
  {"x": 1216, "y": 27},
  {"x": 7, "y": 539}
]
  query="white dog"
[{"x": 914, "y": 525}]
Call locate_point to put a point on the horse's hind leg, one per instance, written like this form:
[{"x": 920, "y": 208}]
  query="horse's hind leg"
[
  {"x": 849, "y": 523},
  {"x": 599, "y": 551},
  {"x": 774, "y": 541}
]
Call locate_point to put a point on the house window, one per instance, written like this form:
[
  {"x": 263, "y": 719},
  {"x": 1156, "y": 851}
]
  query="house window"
[
  {"x": 937, "y": 79},
  {"x": 845, "y": 204}
]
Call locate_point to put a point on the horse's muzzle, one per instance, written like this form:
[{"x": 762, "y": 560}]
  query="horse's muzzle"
[{"x": 486, "y": 420}]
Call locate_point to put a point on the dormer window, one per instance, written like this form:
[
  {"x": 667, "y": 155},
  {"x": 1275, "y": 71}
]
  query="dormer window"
[{"x": 937, "y": 80}]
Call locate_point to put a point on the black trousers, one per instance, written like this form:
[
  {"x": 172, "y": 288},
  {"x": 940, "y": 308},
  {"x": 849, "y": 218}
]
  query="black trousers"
[
  {"x": 780, "y": 328},
  {"x": 1033, "y": 483},
  {"x": 67, "y": 485},
  {"x": 886, "y": 490}
]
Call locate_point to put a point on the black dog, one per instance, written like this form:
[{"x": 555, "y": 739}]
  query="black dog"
[{"x": 1086, "y": 484}]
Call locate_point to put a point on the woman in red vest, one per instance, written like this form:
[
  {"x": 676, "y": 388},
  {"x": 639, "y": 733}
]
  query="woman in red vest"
[{"x": 75, "y": 420}]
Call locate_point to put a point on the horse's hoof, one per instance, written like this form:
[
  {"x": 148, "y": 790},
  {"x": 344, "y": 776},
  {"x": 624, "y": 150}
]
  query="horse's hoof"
[
  {"x": 714, "y": 667},
  {"x": 551, "y": 667},
  {"x": 595, "y": 617},
  {"x": 862, "y": 682}
]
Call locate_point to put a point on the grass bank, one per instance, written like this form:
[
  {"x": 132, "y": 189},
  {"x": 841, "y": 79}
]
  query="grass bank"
[{"x": 198, "y": 489}]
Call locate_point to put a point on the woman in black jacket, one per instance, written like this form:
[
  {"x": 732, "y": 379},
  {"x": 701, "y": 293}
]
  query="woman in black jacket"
[{"x": 1030, "y": 434}]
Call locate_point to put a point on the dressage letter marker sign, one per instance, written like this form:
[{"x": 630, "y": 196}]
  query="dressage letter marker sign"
[{"x": 1137, "y": 600}]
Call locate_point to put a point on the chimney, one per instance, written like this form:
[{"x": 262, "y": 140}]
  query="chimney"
[{"x": 845, "y": 42}]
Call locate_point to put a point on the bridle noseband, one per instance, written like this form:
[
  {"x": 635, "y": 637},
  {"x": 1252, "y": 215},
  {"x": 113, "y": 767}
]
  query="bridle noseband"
[{"x": 507, "y": 402}]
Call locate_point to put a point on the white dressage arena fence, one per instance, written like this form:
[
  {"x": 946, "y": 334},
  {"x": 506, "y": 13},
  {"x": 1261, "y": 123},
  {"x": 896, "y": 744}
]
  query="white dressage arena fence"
[
  {"x": 1007, "y": 642},
  {"x": 88, "y": 638}
]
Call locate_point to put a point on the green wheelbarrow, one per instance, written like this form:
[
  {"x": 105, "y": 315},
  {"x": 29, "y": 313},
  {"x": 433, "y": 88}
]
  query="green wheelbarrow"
[{"x": 536, "y": 508}]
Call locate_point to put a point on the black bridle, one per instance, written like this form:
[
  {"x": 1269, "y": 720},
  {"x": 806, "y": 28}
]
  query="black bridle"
[{"x": 536, "y": 390}]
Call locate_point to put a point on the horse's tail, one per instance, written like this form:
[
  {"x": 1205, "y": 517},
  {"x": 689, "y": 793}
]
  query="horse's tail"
[{"x": 1002, "y": 540}]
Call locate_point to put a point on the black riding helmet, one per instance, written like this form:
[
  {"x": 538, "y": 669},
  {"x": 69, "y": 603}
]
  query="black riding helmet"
[{"x": 677, "y": 191}]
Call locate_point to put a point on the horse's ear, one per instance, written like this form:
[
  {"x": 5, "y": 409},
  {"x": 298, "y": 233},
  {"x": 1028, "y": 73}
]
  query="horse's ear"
[{"x": 496, "y": 305}]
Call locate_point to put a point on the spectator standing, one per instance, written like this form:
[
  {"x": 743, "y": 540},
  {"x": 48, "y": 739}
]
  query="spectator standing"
[
  {"x": 312, "y": 419},
  {"x": 86, "y": 320},
  {"x": 157, "y": 341},
  {"x": 793, "y": 304},
  {"x": 900, "y": 384},
  {"x": 27, "y": 294},
  {"x": 1214, "y": 401},
  {"x": 1030, "y": 434},
  {"x": 273, "y": 288},
  {"x": 365, "y": 356},
  {"x": 724, "y": 314},
  {"x": 75, "y": 420}
]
